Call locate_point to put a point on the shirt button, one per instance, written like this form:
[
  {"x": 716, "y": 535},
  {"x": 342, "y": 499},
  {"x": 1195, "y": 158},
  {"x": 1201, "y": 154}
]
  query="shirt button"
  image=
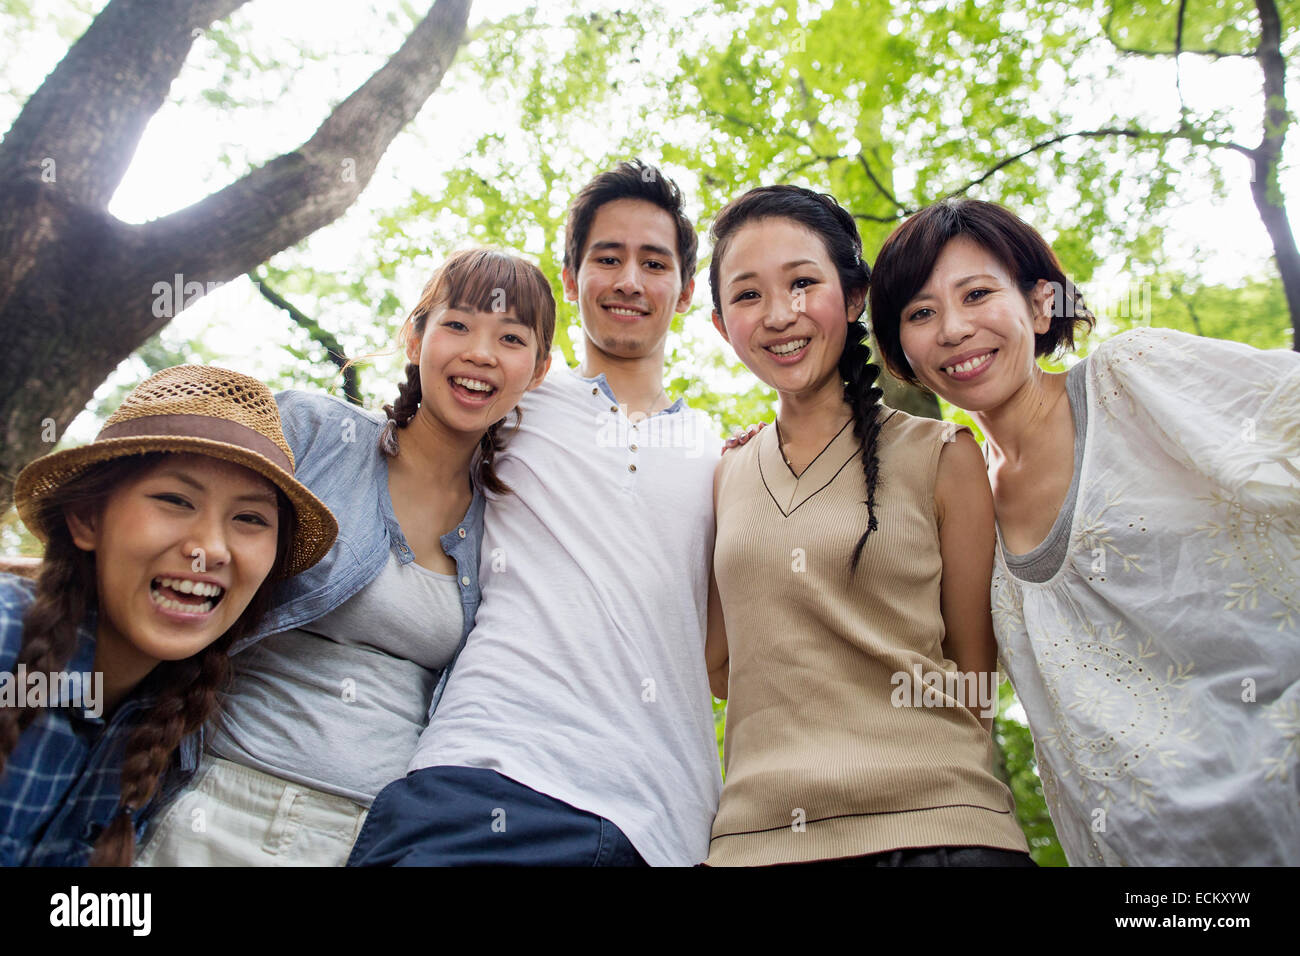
[
  {"x": 595, "y": 389},
  {"x": 613, "y": 408},
  {"x": 465, "y": 581},
  {"x": 631, "y": 467},
  {"x": 461, "y": 532},
  {"x": 634, "y": 447}
]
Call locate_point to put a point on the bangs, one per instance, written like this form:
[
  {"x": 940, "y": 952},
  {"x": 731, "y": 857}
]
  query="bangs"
[{"x": 484, "y": 280}]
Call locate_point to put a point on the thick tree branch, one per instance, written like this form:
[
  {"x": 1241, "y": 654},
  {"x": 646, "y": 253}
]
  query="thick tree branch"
[
  {"x": 333, "y": 347},
  {"x": 292, "y": 196},
  {"x": 89, "y": 114}
]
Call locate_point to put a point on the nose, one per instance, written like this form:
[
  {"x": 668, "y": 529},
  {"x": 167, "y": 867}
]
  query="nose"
[
  {"x": 784, "y": 311},
  {"x": 478, "y": 347},
  {"x": 206, "y": 546},
  {"x": 954, "y": 326},
  {"x": 628, "y": 281}
]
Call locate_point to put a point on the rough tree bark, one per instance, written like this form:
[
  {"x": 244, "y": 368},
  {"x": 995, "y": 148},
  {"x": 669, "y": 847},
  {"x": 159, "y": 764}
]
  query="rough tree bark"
[{"x": 77, "y": 285}]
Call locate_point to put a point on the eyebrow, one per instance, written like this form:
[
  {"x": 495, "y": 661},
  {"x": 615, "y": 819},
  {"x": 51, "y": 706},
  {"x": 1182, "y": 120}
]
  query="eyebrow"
[
  {"x": 647, "y": 247},
  {"x": 266, "y": 497},
  {"x": 507, "y": 317},
  {"x": 789, "y": 265},
  {"x": 963, "y": 281}
]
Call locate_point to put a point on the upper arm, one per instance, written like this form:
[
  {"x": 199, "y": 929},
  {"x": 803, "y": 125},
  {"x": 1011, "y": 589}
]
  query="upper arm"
[
  {"x": 964, "y": 505},
  {"x": 716, "y": 655}
]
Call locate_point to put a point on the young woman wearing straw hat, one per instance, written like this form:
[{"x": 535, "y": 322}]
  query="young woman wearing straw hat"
[{"x": 163, "y": 538}]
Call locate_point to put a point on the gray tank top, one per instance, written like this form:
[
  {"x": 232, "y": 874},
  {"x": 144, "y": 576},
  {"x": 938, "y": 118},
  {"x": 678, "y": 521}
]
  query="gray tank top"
[
  {"x": 338, "y": 704},
  {"x": 1042, "y": 563}
]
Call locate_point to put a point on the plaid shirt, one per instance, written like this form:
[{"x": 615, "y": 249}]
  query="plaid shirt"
[{"x": 62, "y": 784}]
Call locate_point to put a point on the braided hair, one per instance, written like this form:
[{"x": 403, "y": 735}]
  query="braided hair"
[
  {"x": 481, "y": 280},
  {"x": 186, "y": 690},
  {"x": 820, "y": 214}
]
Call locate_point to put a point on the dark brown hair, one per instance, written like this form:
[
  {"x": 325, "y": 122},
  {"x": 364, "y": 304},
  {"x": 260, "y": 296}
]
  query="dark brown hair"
[
  {"x": 821, "y": 215},
  {"x": 475, "y": 280},
  {"x": 909, "y": 254},
  {"x": 629, "y": 180},
  {"x": 185, "y": 690}
]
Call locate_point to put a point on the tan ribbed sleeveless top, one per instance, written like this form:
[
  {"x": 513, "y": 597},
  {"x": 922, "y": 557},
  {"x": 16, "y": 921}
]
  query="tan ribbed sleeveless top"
[{"x": 819, "y": 762}]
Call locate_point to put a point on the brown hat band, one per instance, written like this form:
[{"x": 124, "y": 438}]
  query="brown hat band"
[{"x": 200, "y": 426}]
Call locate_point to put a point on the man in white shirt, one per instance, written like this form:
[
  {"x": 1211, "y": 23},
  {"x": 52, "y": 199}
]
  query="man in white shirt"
[{"x": 576, "y": 727}]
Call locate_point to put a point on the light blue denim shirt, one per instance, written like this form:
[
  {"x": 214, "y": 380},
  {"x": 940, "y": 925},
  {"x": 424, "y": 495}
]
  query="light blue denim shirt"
[{"x": 336, "y": 453}]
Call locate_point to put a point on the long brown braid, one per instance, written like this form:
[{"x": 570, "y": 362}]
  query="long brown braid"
[
  {"x": 65, "y": 586},
  {"x": 481, "y": 280},
  {"x": 187, "y": 690},
  {"x": 833, "y": 224}
]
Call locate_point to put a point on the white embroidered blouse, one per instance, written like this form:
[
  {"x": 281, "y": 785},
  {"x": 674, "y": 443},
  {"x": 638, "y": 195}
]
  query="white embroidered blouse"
[{"x": 1160, "y": 666}]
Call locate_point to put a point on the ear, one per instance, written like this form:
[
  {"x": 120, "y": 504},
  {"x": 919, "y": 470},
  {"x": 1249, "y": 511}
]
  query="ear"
[
  {"x": 570, "y": 283},
  {"x": 412, "y": 345},
  {"x": 1043, "y": 301},
  {"x": 721, "y": 327},
  {"x": 542, "y": 369},
  {"x": 83, "y": 524},
  {"x": 684, "y": 300},
  {"x": 857, "y": 306}
]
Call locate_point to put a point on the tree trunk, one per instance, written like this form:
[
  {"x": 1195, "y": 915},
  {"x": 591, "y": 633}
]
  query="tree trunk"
[
  {"x": 79, "y": 289},
  {"x": 1264, "y": 185}
]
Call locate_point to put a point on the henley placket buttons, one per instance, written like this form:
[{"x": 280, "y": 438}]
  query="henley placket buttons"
[
  {"x": 631, "y": 467},
  {"x": 461, "y": 532}
]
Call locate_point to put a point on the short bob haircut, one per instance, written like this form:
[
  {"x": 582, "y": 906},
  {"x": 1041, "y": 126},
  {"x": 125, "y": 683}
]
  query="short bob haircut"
[
  {"x": 629, "y": 180},
  {"x": 909, "y": 254}
]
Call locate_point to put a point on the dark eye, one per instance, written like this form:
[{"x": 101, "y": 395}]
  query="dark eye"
[
  {"x": 803, "y": 282},
  {"x": 515, "y": 338},
  {"x": 606, "y": 260},
  {"x": 454, "y": 322},
  {"x": 656, "y": 264},
  {"x": 252, "y": 518},
  {"x": 974, "y": 295},
  {"x": 747, "y": 294},
  {"x": 172, "y": 499},
  {"x": 920, "y": 314}
]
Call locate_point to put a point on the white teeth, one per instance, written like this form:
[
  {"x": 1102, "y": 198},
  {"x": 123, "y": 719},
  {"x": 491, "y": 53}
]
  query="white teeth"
[
  {"x": 617, "y": 311},
  {"x": 969, "y": 364},
  {"x": 788, "y": 347},
  {"x": 473, "y": 384},
  {"x": 186, "y": 586},
  {"x": 171, "y": 605}
]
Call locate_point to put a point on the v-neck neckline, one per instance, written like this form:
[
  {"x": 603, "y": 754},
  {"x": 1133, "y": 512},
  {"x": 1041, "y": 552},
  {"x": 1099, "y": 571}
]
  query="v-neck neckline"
[{"x": 788, "y": 491}]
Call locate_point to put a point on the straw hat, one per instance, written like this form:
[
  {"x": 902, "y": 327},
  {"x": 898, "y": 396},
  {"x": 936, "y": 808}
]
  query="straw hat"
[{"x": 201, "y": 410}]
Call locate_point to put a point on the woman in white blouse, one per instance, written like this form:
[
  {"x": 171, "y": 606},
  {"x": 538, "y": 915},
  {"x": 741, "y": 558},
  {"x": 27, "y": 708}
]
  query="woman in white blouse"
[{"x": 1146, "y": 588}]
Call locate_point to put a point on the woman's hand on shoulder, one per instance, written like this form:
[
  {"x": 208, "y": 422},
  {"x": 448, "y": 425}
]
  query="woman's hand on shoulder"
[{"x": 739, "y": 438}]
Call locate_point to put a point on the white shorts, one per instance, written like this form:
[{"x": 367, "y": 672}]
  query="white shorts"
[{"x": 232, "y": 815}]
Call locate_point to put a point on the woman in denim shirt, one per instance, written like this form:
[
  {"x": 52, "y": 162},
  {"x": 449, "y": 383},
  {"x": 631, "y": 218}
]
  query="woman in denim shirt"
[{"x": 333, "y": 690}]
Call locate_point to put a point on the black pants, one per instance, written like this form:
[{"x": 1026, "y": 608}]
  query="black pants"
[{"x": 933, "y": 856}]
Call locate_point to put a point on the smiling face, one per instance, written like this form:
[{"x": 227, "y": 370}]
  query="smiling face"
[
  {"x": 783, "y": 308},
  {"x": 475, "y": 366},
  {"x": 153, "y": 530},
  {"x": 628, "y": 280},
  {"x": 969, "y": 333}
]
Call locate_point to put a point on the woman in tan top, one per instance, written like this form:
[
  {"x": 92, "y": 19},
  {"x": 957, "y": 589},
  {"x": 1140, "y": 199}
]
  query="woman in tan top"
[{"x": 852, "y": 563}]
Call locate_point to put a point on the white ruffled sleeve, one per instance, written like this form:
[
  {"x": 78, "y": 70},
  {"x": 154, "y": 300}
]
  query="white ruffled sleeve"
[{"x": 1227, "y": 411}]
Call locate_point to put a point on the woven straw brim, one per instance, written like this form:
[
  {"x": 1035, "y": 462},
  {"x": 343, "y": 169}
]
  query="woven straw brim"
[{"x": 317, "y": 527}]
